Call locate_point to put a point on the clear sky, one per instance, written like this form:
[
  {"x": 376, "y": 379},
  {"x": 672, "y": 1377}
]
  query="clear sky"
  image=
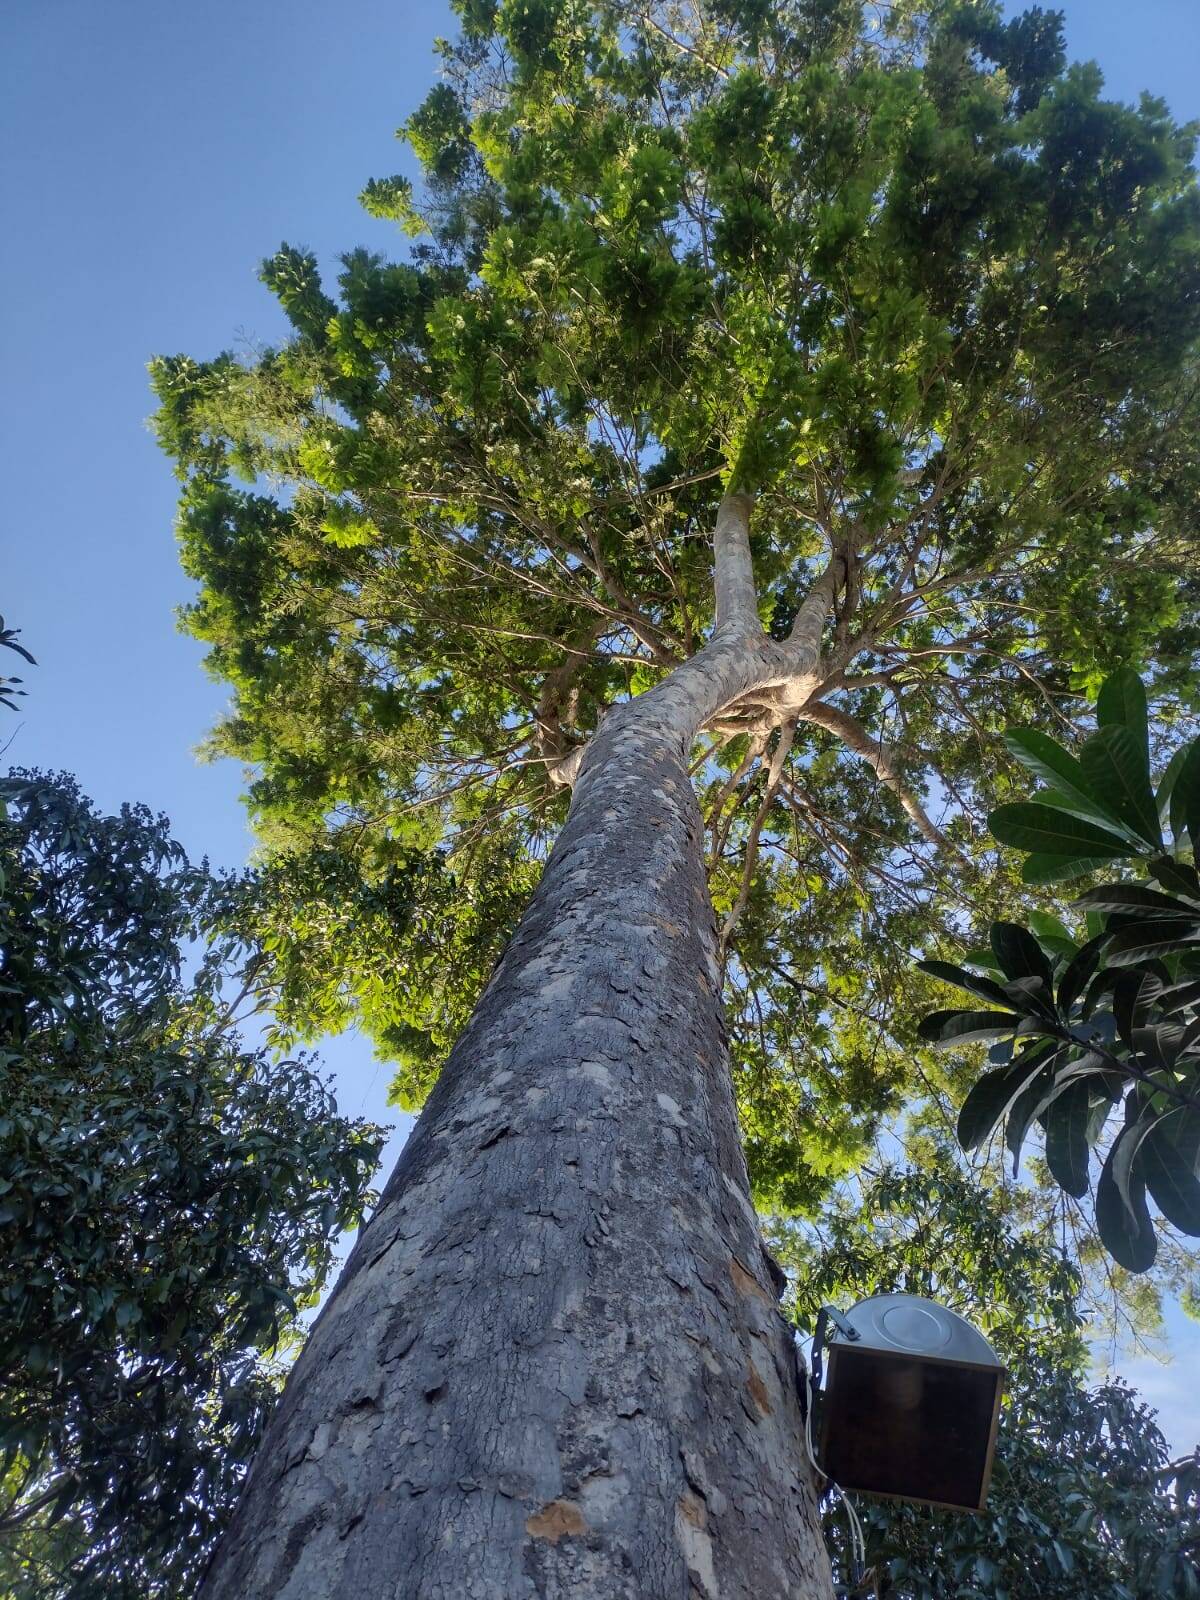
[{"x": 150, "y": 155}]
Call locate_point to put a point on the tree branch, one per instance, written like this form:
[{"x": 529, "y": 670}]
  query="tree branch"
[
  {"x": 736, "y": 596},
  {"x": 556, "y": 688},
  {"x": 877, "y": 755},
  {"x": 775, "y": 772}
]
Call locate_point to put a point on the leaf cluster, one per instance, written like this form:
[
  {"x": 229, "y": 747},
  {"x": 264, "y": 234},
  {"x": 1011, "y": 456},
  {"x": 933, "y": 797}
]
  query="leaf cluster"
[
  {"x": 8, "y": 683},
  {"x": 169, "y": 1203},
  {"x": 1111, "y": 1020}
]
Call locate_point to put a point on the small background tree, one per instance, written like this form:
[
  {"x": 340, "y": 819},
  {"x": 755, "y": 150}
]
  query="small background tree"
[{"x": 169, "y": 1203}]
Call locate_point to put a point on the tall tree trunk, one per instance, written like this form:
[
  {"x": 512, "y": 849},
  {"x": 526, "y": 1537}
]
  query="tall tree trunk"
[{"x": 554, "y": 1364}]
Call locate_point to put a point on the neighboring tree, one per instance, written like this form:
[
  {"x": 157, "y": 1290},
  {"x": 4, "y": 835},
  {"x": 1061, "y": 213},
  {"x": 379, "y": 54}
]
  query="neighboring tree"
[
  {"x": 1085, "y": 1503},
  {"x": 1106, "y": 1016},
  {"x": 905, "y": 288},
  {"x": 169, "y": 1202}
]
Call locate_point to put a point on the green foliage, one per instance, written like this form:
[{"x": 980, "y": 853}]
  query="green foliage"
[
  {"x": 8, "y": 690},
  {"x": 169, "y": 1202},
  {"x": 1111, "y": 1019},
  {"x": 396, "y": 944},
  {"x": 1084, "y": 1502},
  {"x": 920, "y": 285}
]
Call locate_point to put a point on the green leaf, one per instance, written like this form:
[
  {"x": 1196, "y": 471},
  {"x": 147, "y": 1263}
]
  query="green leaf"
[
  {"x": 1058, "y": 770},
  {"x": 1146, "y": 940},
  {"x": 1168, "y": 1160},
  {"x": 1166, "y": 783},
  {"x": 1136, "y": 897},
  {"x": 1102, "y": 1104},
  {"x": 993, "y": 1095},
  {"x": 1177, "y": 875},
  {"x": 1185, "y": 796},
  {"x": 1133, "y": 994},
  {"x": 1028, "y": 826},
  {"x": 1079, "y": 971},
  {"x": 1122, "y": 1215},
  {"x": 982, "y": 988},
  {"x": 1067, "y": 1118},
  {"x": 1121, "y": 703},
  {"x": 1157, "y": 1045},
  {"x": 1041, "y": 868},
  {"x": 1045, "y": 926},
  {"x": 1019, "y": 954},
  {"x": 1025, "y": 1107},
  {"x": 982, "y": 956},
  {"x": 1181, "y": 996},
  {"x": 1116, "y": 766},
  {"x": 949, "y": 1029}
]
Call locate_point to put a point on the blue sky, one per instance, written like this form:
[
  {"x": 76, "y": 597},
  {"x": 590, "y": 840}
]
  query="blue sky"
[{"x": 150, "y": 156}]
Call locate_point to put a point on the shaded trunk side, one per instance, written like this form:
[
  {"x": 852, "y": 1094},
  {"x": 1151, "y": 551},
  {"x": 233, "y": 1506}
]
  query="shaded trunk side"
[{"x": 554, "y": 1364}]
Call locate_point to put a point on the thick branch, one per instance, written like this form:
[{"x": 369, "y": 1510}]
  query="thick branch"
[
  {"x": 736, "y": 596},
  {"x": 739, "y": 659},
  {"x": 873, "y": 751},
  {"x": 809, "y": 623}
]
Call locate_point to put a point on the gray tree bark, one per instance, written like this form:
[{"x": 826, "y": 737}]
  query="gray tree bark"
[{"x": 554, "y": 1364}]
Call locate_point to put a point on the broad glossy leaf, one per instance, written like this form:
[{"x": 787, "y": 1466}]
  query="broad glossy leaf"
[
  {"x": 1136, "y": 898},
  {"x": 1121, "y": 703},
  {"x": 1185, "y": 796},
  {"x": 1181, "y": 996},
  {"x": 1043, "y": 830},
  {"x": 949, "y": 1029},
  {"x": 1122, "y": 1215},
  {"x": 1116, "y": 767},
  {"x": 1067, "y": 1118},
  {"x": 1033, "y": 997},
  {"x": 1162, "y": 795},
  {"x": 983, "y": 988},
  {"x": 982, "y": 956},
  {"x": 1039, "y": 868},
  {"x": 1078, "y": 973},
  {"x": 1133, "y": 994},
  {"x": 1058, "y": 770},
  {"x": 1168, "y": 1163},
  {"x": 1019, "y": 954},
  {"x": 1178, "y": 876},
  {"x": 1100, "y": 1110},
  {"x": 1044, "y": 926},
  {"x": 1028, "y": 1104},
  {"x": 991, "y": 1097},
  {"x": 1157, "y": 1045},
  {"x": 1146, "y": 940},
  {"x": 1098, "y": 1069}
]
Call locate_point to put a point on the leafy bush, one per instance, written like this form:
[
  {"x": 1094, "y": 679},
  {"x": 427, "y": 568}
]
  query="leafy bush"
[{"x": 169, "y": 1201}]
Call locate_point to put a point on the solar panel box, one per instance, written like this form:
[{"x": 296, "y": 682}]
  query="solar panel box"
[{"x": 910, "y": 1408}]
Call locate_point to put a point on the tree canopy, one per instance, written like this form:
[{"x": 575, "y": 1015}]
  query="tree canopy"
[
  {"x": 170, "y": 1199},
  {"x": 901, "y": 273}
]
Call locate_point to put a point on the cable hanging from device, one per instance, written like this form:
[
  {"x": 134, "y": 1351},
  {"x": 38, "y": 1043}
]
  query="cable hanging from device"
[{"x": 811, "y": 1378}]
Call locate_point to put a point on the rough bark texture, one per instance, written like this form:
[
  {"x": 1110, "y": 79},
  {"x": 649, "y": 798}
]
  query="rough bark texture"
[{"x": 554, "y": 1364}]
